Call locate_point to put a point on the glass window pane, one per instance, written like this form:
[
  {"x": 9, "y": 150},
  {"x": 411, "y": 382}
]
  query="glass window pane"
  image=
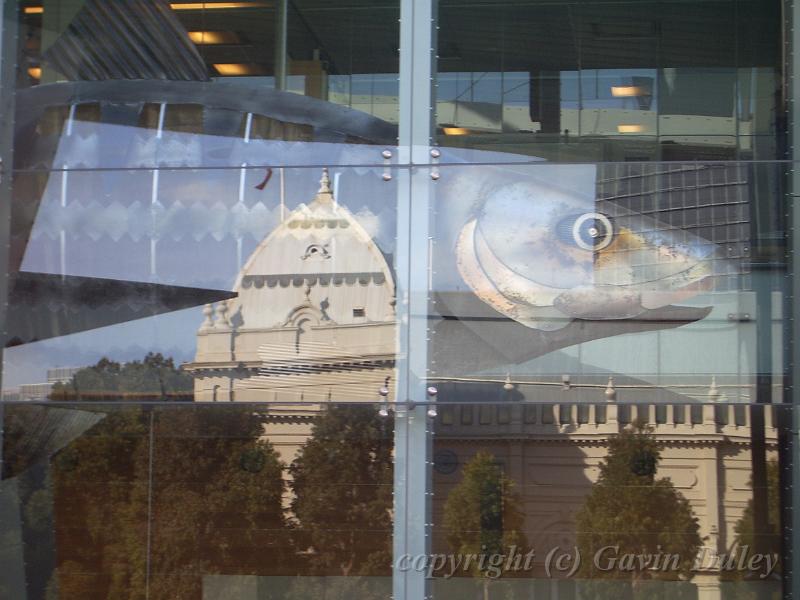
[
  {"x": 559, "y": 515},
  {"x": 205, "y": 78},
  {"x": 234, "y": 306},
  {"x": 611, "y": 81},
  {"x": 196, "y": 500},
  {"x": 608, "y": 282}
]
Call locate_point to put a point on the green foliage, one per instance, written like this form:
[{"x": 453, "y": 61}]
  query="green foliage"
[
  {"x": 200, "y": 479},
  {"x": 154, "y": 378},
  {"x": 481, "y": 514},
  {"x": 629, "y": 508},
  {"x": 342, "y": 482},
  {"x": 167, "y": 495},
  {"x": 744, "y": 528}
]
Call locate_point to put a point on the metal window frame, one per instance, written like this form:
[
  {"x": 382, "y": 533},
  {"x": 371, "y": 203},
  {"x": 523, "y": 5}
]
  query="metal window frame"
[
  {"x": 790, "y": 476},
  {"x": 9, "y": 35},
  {"x": 412, "y": 468}
]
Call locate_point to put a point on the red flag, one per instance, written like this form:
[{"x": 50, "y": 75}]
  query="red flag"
[{"x": 264, "y": 183}]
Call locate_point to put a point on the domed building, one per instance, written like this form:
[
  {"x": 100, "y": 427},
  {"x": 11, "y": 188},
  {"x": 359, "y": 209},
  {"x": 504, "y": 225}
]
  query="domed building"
[{"x": 313, "y": 320}]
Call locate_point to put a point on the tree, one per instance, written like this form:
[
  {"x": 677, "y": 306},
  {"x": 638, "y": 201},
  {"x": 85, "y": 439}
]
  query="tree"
[
  {"x": 745, "y": 536},
  {"x": 632, "y": 513},
  {"x": 153, "y": 378},
  {"x": 481, "y": 515},
  {"x": 154, "y": 497},
  {"x": 342, "y": 482}
]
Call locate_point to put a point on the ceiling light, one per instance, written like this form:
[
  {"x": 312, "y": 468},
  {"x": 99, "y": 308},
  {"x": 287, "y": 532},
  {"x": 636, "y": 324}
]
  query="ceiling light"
[
  {"x": 216, "y": 5},
  {"x": 626, "y": 91},
  {"x": 455, "y": 130},
  {"x": 213, "y": 37},
  {"x": 34, "y": 10},
  {"x": 232, "y": 69},
  {"x": 630, "y": 128},
  {"x": 35, "y": 72}
]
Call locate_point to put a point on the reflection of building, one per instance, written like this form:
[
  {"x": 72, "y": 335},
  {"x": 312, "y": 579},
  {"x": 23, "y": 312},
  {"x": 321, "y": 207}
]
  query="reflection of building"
[
  {"x": 553, "y": 452},
  {"x": 61, "y": 374},
  {"x": 35, "y": 391},
  {"x": 41, "y": 391},
  {"x": 313, "y": 321}
]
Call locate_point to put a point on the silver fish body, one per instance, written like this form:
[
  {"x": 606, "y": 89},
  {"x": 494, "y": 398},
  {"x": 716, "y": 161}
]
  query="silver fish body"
[{"x": 544, "y": 256}]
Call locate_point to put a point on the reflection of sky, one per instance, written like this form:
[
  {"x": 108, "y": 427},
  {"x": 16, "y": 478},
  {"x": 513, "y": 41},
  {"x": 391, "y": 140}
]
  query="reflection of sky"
[
  {"x": 172, "y": 334},
  {"x": 205, "y": 224},
  {"x": 593, "y": 86},
  {"x": 196, "y": 219},
  {"x": 207, "y": 221}
]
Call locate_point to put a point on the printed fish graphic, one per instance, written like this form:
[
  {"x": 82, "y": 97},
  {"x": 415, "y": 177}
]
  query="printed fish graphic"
[
  {"x": 544, "y": 256},
  {"x": 528, "y": 260}
]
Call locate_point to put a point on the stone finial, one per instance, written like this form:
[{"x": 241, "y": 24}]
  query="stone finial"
[
  {"x": 208, "y": 313},
  {"x": 713, "y": 391},
  {"x": 223, "y": 322},
  {"x": 325, "y": 183},
  {"x": 611, "y": 391},
  {"x": 325, "y": 194}
]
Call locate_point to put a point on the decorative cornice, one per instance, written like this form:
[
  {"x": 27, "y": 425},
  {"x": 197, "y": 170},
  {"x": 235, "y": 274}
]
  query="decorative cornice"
[
  {"x": 205, "y": 369},
  {"x": 206, "y": 366},
  {"x": 282, "y": 369},
  {"x": 322, "y": 279},
  {"x": 282, "y": 419},
  {"x": 575, "y": 440},
  {"x": 309, "y": 223}
]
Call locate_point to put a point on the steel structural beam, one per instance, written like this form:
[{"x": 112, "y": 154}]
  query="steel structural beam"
[
  {"x": 281, "y": 41},
  {"x": 9, "y": 28},
  {"x": 9, "y": 11},
  {"x": 792, "y": 84},
  {"x": 412, "y": 487}
]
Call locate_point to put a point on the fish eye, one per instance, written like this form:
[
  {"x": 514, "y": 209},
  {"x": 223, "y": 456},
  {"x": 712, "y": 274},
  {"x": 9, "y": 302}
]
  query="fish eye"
[{"x": 589, "y": 231}]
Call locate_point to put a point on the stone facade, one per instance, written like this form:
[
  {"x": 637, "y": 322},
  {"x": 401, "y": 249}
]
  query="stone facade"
[
  {"x": 314, "y": 322},
  {"x": 553, "y": 456}
]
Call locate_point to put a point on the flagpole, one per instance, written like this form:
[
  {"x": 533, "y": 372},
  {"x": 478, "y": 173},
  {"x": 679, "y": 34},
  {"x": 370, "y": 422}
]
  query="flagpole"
[
  {"x": 248, "y": 127},
  {"x": 242, "y": 175},
  {"x": 283, "y": 197},
  {"x": 335, "y": 189}
]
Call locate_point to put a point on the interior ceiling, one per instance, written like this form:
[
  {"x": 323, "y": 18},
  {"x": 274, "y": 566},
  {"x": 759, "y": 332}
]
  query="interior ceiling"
[{"x": 361, "y": 36}]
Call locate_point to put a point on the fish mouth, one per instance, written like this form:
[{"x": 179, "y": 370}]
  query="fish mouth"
[{"x": 642, "y": 268}]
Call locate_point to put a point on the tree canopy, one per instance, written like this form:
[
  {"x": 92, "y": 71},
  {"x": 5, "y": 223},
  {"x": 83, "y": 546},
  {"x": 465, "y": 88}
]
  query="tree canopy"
[
  {"x": 154, "y": 378},
  {"x": 158, "y": 495},
  {"x": 481, "y": 514},
  {"x": 636, "y": 513},
  {"x": 342, "y": 482},
  {"x": 745, "y": 526}
]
